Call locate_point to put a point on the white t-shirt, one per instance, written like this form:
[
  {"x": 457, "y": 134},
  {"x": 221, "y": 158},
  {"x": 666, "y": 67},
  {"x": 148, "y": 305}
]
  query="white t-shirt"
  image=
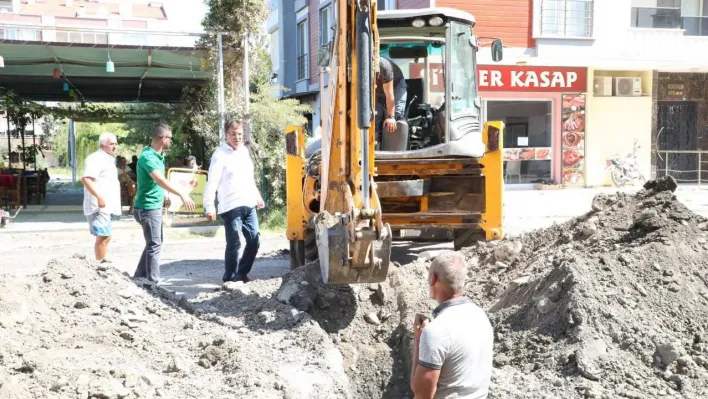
[
  {"x": 459, "y": 342},
  {"x": 102, "y": 168}
]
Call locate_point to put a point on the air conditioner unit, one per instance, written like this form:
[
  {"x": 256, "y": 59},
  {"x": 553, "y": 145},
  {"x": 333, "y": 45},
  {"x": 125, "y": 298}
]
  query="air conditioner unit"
[
  {"x": 627, "y": 87},
  {"x": 602, "y": 86}
]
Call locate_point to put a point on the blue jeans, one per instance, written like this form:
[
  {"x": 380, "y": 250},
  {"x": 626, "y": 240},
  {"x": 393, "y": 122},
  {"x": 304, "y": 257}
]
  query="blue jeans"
[
  {"x": 245, "y": 220},
  {"x": 151, "y": 222}
]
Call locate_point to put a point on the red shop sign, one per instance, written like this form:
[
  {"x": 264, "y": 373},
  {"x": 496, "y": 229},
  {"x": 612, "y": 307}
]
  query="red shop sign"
[
  {"x": 514, "y": 78},
  {"x": 531, "y": 78}
]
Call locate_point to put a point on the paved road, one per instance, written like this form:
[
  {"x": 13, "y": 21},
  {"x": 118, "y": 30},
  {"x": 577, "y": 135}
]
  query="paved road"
[{"x": 196, "y": 264}]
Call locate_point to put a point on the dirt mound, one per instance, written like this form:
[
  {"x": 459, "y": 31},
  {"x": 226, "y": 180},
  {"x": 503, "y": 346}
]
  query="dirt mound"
[
  {"x": 82, "y": 330},
  {"x": 610, "y": 304}
]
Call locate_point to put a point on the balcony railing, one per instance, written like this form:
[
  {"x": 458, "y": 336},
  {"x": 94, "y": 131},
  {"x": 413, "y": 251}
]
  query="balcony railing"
[
  {"x": 695, "y": 26},
  {"x": 303, "y": 70},
  {"x": 656, "y": 18}
]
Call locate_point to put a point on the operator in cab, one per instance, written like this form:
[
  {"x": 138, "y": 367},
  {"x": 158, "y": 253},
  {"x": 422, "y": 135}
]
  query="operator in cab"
[{"x": 390, "y": 96}]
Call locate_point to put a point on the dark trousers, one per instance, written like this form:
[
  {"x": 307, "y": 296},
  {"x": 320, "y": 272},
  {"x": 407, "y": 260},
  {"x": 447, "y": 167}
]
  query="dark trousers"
[
  {"x": 245, "y": 220},
  {"x": 151, "y": 222}
]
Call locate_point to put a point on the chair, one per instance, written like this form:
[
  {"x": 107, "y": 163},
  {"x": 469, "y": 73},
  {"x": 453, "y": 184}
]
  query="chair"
[
  {"x": 12, "y": 196},
  {"x": 513, "y": 168},
  {"x": 127, "y": 193},
  {"x": 33, "y": 183}
]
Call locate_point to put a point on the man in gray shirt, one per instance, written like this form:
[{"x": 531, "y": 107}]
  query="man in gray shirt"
[{"x": 453, "y": 352}]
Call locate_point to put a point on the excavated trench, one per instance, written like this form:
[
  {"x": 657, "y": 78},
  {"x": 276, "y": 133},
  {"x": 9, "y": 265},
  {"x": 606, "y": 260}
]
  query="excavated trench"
[{"x": 608, "y": 305}]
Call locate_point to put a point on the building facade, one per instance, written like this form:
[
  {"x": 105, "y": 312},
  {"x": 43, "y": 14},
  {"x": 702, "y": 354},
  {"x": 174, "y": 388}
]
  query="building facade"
[{"x": 582, "y": 81}]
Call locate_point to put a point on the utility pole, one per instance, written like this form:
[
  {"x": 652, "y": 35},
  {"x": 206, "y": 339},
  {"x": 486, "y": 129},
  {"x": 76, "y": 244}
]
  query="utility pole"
[
  {"x": 220, "y": 73},
  {"x": 247, "y": 90}
]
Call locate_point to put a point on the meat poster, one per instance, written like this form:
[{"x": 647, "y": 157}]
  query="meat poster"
[{"x": 573, "y": 137}]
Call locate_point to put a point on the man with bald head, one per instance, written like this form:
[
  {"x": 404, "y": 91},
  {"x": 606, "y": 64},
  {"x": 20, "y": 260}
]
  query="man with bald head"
[{"x": 453, "y": 352}]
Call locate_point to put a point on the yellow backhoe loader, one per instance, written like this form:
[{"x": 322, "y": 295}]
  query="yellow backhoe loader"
[{"x": 438, "y": 174}]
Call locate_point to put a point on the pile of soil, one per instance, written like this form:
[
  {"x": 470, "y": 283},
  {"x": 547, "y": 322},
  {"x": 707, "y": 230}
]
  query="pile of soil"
[
  {"x": 84, "y": 330},
  {"x": 608, "y": 305}
]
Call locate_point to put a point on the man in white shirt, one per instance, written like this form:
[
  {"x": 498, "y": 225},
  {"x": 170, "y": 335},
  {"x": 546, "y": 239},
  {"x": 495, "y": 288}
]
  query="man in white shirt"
[
  {"x": 453, "y": 353},
  {"x": 101, "y": 192},
  {"x": 231, "y": 175}
]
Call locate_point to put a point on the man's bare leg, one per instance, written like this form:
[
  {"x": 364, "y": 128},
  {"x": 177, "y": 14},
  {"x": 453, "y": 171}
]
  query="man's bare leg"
[{"x": 101, "y": 247}]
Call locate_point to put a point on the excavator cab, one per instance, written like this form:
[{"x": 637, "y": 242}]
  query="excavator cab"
[{"x": 350, "y": 192}]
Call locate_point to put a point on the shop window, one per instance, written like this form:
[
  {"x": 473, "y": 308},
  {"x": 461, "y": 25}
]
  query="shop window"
[
  {"x": 566, "y": 18},
  {"x": 528, "y": 140}
]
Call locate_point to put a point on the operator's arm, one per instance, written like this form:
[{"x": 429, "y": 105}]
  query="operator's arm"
[
  {"x": 213, "y": 179},
  {"x": 390, "y": 98},
  {"x": 430, "y": 353}
]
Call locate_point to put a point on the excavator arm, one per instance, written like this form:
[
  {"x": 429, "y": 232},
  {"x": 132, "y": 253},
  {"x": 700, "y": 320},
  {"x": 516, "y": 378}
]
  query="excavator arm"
[{"x": 354, "y": 245}]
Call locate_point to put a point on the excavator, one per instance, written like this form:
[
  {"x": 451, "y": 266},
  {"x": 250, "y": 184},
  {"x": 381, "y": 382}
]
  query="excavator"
[{"x": 438, "y": 176}]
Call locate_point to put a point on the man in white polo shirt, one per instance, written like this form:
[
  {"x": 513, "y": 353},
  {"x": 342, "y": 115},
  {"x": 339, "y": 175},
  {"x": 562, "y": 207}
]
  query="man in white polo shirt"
[
  {"x": 453, "y": 353},
  {"x": 231, "y": 175},
  {"x": 101, "y": 192}
]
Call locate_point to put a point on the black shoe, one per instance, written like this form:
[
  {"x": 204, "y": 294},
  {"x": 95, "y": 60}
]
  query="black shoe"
[{"x": 240, "y": 277}]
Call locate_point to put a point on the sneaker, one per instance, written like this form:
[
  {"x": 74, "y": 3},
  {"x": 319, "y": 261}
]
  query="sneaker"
[
  {"x": 106, "y": 261},
  {"x": 243, "y": 278}
]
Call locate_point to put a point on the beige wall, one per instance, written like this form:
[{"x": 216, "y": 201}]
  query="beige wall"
[{"x": 613, "y": 125}]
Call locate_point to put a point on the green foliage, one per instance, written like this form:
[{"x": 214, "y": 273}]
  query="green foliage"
[{"x": 269, "y": 118}]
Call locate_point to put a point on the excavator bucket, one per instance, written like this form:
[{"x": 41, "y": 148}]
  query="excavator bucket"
[{"x": 346, "y": 258}]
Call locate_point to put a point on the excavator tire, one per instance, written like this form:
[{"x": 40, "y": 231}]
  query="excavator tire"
[
  {"x": 304, "y": 251},
  {"x": 466, "y": 238}
]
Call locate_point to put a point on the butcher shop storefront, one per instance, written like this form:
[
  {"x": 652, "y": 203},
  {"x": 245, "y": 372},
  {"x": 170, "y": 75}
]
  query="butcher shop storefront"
[{"x": 543, "y": 109}]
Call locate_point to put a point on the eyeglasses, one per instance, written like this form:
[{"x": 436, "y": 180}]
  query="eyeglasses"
[{"x": 167, "y": 137}]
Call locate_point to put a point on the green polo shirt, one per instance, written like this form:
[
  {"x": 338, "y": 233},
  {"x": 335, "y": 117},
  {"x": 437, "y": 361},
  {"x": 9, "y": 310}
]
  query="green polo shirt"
[{"x": 149, "y": 194}]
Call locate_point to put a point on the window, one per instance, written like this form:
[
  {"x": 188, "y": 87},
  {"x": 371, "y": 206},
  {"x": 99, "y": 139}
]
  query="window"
[
  {"x": 463, "y": 90},
  {"x": 659, "y": 14},
  {"x": 302, "y": 64},
  {"x": 275, "y": 50},
  {"x": 382, "y": 5},
  {"x": 694, "y": 17},
  {"x": 566, "y": 18},
  {"x": 81, "y": 37},
  {"x": 20, "y": 34},
  {"x": 325, "y": 26}
]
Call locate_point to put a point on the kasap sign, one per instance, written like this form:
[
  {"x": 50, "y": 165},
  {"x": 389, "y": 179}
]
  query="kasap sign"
[
  {"x": 513, "y": 78},
  {"x": 193, "y": 182}
]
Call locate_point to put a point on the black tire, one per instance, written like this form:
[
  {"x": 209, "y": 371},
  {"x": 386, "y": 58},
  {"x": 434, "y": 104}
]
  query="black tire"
[
  {"x": 310, "y": 246},
  {"x": 466, "y": 238},
  {"x": 303, "y": 251}
]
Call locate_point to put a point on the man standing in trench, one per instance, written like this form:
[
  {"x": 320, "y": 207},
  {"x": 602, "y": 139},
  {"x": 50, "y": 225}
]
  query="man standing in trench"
[
  {"x": 150, "y": 198},
  {"x": 231, "y": 175},
  {"x": 453, "y": 353},
  {"x": 101, "y": 192}
]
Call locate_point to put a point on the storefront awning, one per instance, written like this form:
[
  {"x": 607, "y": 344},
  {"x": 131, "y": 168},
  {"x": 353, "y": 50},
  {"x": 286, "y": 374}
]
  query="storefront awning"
[{"x": 141, "y": 74}]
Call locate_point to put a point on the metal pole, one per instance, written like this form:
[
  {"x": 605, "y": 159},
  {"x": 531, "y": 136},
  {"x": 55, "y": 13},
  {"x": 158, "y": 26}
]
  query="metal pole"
[
  {"x": 34, "y": 143},
  {"x": 220, "y": 73},
  {"x": 247, "y": 90},
  {"x": 9, "y": 143},
  {"x": 699, "y": 169},
  {"x": 72, "y": 150}
]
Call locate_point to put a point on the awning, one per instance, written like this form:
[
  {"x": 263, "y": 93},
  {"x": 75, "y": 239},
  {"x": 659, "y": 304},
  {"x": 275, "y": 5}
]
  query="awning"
[{"x": 142, "y": 74}]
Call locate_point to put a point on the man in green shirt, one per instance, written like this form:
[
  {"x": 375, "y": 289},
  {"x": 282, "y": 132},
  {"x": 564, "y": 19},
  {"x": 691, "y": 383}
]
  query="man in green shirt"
[{"x": 149, "y": 199}]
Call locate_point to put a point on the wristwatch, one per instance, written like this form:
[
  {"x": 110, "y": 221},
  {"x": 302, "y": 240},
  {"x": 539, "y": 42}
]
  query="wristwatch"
[{"x": 391, "y": 117}]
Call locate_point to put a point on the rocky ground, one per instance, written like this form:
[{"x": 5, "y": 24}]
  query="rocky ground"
[{"x": 607, "y": 305}]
